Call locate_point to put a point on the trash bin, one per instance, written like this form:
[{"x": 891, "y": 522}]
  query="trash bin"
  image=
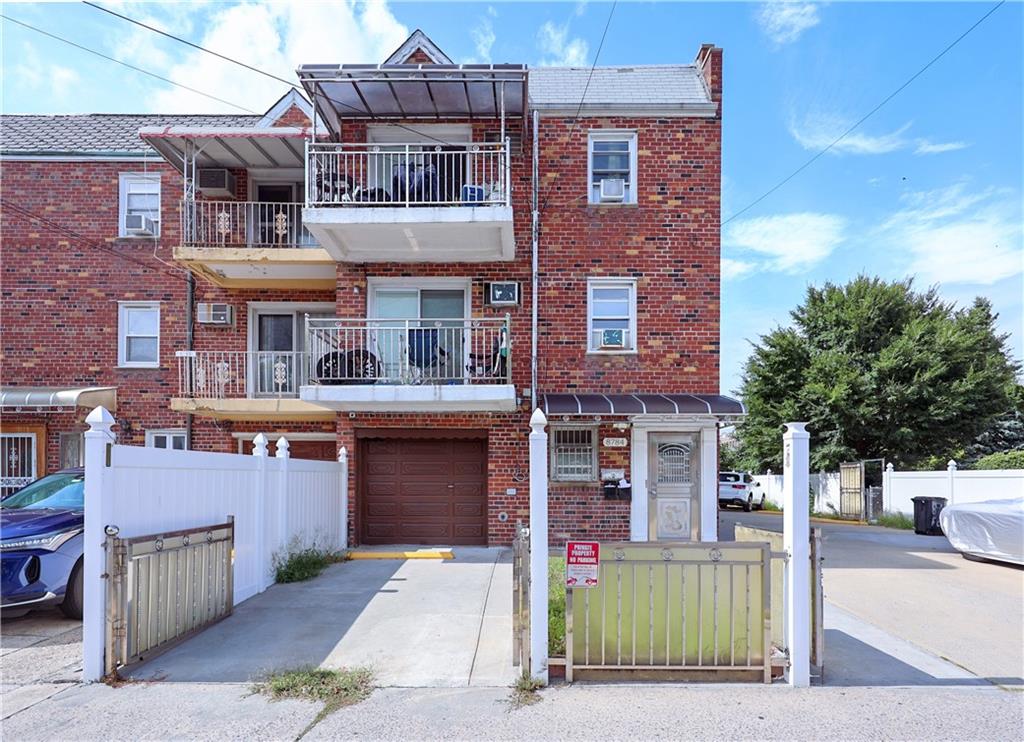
[{"x": 926, "y": 515}]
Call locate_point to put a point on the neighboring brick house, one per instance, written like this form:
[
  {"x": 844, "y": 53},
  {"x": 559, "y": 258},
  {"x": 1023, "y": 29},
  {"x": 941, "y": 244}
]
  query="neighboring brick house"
[{"x": 368, "y": 282}]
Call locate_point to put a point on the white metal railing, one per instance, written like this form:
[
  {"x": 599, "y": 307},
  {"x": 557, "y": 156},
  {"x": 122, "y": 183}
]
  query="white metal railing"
[
  {"x": 243, "y": 224},
  {"x": 227, "y": 374},
  {"x": 409, "y": 351},
  {"x": 424, "y": 174}
]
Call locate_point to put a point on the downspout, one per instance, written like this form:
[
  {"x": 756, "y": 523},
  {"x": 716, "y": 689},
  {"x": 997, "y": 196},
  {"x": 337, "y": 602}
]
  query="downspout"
[
  {"x": 190, "y": 294},
  {"x": 536, "y": 270}
]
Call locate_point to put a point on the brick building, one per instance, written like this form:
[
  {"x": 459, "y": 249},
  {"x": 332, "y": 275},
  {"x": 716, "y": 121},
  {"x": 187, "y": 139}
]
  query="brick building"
[{"x": 407, "y": 273}]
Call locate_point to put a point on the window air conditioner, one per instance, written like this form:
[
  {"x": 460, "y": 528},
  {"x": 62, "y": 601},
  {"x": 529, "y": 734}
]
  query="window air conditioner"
[
  {"x": 140, "y": 224},
  {"x": 612, "y": 339},
  {"x": 217, "y": 181},
  {"x": 613, "y": 189},
  {"x": 503, "y": 293},
  {"x": 215, "y": 314}
]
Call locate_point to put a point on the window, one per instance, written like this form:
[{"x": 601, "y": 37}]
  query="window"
[
  {"x": 71, "y": 450},
  {"x": 277, "y": 339},
  {"x": 166, "y": 439},
  {"x": 611, "y": 155},
  {"x": 611, "y": 315},
  {"x": 573, "y": 454},
  {"x": 139, "y": 198},
  {"x": 138, "y": 334}
]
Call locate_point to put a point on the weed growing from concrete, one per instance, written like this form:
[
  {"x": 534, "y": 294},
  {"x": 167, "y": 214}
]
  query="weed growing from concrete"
[
  {"x": 296, "y": 563},
  {"x": 334, "y": 688},
  {"x": 524, "y": 692}
]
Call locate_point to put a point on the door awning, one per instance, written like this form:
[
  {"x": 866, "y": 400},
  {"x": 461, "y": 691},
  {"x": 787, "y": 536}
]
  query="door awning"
[
  {"x": 590, "y": 405},
  {"x": 42, "y": 399},
  {"x": 231, "y": 147}
]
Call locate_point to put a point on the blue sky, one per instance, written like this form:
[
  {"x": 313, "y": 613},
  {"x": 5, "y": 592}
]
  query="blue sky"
[{"x": 929, "y": 187}]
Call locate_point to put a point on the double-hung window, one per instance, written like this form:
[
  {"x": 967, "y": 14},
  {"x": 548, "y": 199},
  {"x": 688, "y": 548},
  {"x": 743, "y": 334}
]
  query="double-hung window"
[
  {"x": 138, "y": 334},
  {"x": 574, "y": 454},
  {"x": 139, "y": 205},
  {"x": 611, "y": 167},
  {"x": 611, "y": 315}
]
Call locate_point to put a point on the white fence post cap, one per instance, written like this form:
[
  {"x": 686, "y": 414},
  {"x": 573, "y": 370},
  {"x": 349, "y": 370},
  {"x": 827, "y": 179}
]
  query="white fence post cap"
[
  {"x": 100, "y": 419},
  {"x": 259, "y": 445},
  {"x": 889, "y": 466},
  {"x": 951, "y": 465},
  {"x": 342, "y": 454},
  {"x": 537, "y": 420},
  {"x": 282, "y": 448},
  {"x": 797, "y": 430}
]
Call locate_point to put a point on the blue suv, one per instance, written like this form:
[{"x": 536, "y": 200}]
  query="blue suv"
[{"x": 41, "y": 535}]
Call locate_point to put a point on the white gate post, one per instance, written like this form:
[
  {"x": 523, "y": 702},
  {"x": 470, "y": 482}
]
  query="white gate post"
[
  {"x": 887, "y": 488},
  {"x": 343, "y": 460},
  {"x": 282, "y": 493},
  {"x": 97, "y": 517},
  {"x": 539, "y": 547},
  {"x": 259, "y": 450},
  {"x": 951, "y": 469},
  {"x": 796, "y": 541}
]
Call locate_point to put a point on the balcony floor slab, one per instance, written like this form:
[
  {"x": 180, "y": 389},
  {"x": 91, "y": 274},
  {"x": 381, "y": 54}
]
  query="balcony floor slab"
[
  {"x": 412, "y": 398},
  {"x": 295, "y": 410}
]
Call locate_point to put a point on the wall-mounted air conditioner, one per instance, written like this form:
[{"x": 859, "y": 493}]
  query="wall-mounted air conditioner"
[
  {"x": 215, "y": 314},
  {"x": 502, "y": 293},
  {"x": 217, "y": 181},
  {"x": 613, "y": 339},
  {"x": 141, "y": 225},
  {"x": 613, "y": 189}
]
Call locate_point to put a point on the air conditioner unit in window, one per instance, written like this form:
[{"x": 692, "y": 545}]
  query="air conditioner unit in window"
[
  {"x": 503, "y": 293},
  {"x": 141, "y": 224},
  {"x": 215, "y": 314},
  {"x": 613, "y": 189},
  {"x": 613, "y": 339},
  {"x": 217, "y": 181}
]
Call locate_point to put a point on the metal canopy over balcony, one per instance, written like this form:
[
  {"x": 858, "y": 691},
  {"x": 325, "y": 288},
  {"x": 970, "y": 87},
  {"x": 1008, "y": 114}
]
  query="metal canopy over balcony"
[
  {"x": 415, "y": 91},
  {"x": 231, "y": 147}
]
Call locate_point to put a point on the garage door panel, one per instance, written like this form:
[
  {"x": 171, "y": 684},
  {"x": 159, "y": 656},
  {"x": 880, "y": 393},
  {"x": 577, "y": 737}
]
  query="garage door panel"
[
  {"x": 469, "y": 531},
  {"x": 435, "y": 532},
  {"x": 441, "y": 509},
  {"x": 383, "y": 509},
  {"x": 382, "y": 467},
  {"x": 468, "y": 509},
  {"x": 425, "y": 489}
]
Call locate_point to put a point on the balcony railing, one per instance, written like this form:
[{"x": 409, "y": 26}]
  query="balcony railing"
[
  {"x": 229, "y": 374},
  {"x": 461, "y": 174},
  {"x": 409, "y": 351},
  {"x": 260, "y": 224}
]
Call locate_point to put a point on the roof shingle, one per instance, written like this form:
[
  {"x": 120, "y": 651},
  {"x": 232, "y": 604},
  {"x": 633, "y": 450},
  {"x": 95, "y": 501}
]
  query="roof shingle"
[{"x": 642, "y": 86}]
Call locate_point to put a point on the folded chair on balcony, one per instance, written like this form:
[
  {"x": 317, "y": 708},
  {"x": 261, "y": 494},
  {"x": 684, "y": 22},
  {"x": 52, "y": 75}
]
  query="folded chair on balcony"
[{"x": 425, "y": 355}]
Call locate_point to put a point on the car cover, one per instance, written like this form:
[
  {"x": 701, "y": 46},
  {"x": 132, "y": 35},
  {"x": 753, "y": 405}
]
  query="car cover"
[{"x": 993, "y": 529}]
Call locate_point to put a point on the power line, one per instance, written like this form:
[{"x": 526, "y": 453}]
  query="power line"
[
  {"x": 864, "y": 118},
  {"x": 125, "y": 64}
]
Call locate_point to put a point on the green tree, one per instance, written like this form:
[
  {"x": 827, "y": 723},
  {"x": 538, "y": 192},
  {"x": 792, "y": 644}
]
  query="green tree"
[{"x": 878, "y": 370}]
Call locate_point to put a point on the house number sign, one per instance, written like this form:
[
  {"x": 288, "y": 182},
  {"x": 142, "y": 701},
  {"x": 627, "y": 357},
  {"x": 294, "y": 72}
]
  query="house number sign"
[{"x": 614, "y": 442}]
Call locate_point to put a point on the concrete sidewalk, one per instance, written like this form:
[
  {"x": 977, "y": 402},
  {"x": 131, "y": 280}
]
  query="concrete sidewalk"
[{"x": 417, "y": 623}]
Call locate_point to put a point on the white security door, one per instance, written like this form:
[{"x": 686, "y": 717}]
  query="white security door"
[
  {"x": 673, "y": 487},
  {"x": 17, "y": 461}
]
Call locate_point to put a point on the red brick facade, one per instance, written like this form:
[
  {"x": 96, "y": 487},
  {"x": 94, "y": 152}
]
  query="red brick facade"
[{"x": 61, "y": 287}]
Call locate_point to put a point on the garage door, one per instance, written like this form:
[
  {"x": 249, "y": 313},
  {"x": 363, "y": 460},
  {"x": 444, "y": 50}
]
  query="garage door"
[{"x": 424, "y": 491}]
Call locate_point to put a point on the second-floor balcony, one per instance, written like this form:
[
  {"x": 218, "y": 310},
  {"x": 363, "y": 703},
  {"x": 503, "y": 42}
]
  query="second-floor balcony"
[{"x": 410, "y": 202}]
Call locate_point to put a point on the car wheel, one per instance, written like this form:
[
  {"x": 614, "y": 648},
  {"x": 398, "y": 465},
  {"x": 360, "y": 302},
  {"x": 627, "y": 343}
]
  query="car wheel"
[
  {"x": 72, "y": 605},
  {"x": 749, "y": 504}
]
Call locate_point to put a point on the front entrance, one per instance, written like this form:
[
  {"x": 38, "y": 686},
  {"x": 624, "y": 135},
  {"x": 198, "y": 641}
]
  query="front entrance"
[
  {"x": 673, "y": 486},
  {"x": 423, "y": 491}
]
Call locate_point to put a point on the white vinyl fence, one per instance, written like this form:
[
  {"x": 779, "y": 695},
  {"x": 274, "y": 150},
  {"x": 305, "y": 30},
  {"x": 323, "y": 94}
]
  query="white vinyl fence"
[{"x": 275, "y": 501}]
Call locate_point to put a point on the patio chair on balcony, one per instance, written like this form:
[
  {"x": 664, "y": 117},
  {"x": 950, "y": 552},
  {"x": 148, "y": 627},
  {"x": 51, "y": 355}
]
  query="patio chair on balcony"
[{"x": 426, "y": 357}]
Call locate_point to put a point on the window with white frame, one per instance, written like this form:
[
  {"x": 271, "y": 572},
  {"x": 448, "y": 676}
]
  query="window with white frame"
[
  {"x": 138, "y": 334},
  {"x": 573, "y": 454},
  {"x": 139, "y": 205},
  {"x": 174, "y": 439},
  {"x": 611, "y": 167},
  {"x": 611, "y": 315}
]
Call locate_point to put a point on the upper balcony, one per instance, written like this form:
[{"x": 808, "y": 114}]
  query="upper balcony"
[{"x": 410, "y": 202}]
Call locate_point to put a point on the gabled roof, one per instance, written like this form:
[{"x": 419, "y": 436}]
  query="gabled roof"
[
  {"x": 654, "y": 89},
  {"x": 418, "y": 41}
]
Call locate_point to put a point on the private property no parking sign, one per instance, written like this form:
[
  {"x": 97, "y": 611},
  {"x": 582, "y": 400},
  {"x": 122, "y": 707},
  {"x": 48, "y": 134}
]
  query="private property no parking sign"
[{"x": 581, "y": 563}]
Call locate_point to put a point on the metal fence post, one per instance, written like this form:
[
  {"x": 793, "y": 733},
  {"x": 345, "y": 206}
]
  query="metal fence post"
[
  {"x": 98, "y": 507},
  {"x": 796, "y": 540},
  {"x": 343, "y": 460},
  {"x": 259, "y": 450},
  {"x": 539, "y": 547}
]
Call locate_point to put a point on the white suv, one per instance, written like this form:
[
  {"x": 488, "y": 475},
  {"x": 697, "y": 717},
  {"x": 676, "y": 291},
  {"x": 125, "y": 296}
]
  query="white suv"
[{"x": 739, "y": 488}]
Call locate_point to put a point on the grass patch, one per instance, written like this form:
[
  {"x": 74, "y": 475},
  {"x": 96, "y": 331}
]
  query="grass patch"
[
  {"x": 334, "y": 688},
  {"x": 556, "y": 607},
  {"x": 896, "y": 520},
  {"x": 770, "y": 506},
  {"x": 297, "y": 565},
  {"x": 524, "y": 692}
]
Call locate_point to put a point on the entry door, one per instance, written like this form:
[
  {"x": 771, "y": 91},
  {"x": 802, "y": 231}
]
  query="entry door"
[
  {"x": 673, "y": 487},
  {"x": 266, "y": 219},
  {"x": 17, "y": 461}
]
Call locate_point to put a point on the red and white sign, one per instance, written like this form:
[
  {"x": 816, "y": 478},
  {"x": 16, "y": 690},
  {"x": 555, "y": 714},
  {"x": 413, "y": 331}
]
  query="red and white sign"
[{"x": 581, "y": 563}]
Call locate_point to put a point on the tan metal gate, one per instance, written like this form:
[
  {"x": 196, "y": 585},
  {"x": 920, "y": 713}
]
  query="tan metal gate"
[
  {"x": 678, "y": 609},
  {"x": 164, "y": 588},
  {"x": 521, "y": 598},
  {"x": 851, "y": 490}
]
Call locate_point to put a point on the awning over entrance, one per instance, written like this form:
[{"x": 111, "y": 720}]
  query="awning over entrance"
[
  {"x": 232, "y": 147},
  {"x": 641, "y": 404},
  {"x": 42, "y": 399}
]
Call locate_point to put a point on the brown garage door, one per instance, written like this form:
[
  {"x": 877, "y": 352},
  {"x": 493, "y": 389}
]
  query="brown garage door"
[{"x": 423, "y": 491}]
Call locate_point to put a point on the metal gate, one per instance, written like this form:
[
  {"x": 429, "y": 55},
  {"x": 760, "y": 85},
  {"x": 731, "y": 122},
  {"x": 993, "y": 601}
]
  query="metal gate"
[
  {"x": 17, "y": 461},
  {"x": 521, "y": 598},
  {"x": 851, "y": 490},
  {"x": 164, "y": 588},
  {"x": 676, "y": 609}
]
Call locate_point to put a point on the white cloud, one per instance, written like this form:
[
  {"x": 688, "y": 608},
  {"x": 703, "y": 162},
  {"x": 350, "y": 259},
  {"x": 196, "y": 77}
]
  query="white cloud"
[
  {"x": 790, "y": 243},
  {"x": 925, "y": 147},
  {"x": 955, "y": 236},
  {"x": 733, "y": 269},
  {"x": 784, "y": 21},
  {"x": 33, "y": 72},
  {"x": 484, "y": 37},
  {"x": 818, "y": 130},
  {"x": 275, "y": 37},
  {"x": 559, "y": 49}
]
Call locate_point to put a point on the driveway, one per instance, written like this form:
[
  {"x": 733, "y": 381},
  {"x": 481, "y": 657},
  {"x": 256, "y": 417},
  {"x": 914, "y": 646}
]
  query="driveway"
[
  {"x": 40, "y": 656},
  {"x": 921, "y": 590},
  {"x": 416, "y": 622}
]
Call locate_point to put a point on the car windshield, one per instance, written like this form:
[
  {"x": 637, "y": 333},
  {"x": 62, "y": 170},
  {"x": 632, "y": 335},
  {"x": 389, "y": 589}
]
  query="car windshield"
[{"x": 57, "y": 491}]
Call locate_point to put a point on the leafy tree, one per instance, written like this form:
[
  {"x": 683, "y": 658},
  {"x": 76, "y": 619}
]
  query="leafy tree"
[
  {"x": 878, "y": 370},
  {"x": 1006, "y": 434},
  {"x": 1001, "y": 460}
]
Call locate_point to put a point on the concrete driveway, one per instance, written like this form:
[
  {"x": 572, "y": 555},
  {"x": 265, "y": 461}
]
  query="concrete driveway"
[
  {"x": 919, "y": 589},
  {"x": 40, "y": 656},
  {"x": 416, "y": 622}
]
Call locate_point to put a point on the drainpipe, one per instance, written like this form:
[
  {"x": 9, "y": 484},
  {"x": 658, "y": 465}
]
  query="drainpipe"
[
  {"x": 536, "y": 270},
  {"x": 190, "y": 295}
]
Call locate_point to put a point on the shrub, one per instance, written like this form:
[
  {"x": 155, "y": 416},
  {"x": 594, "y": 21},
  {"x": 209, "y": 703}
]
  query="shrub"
[
  {"x": 1001, "y": 460},
  {"x": 300, "y": 564},
  {"x": 556, "y": 606}
]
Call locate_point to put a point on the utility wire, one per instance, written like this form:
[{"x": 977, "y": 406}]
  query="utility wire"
[
  {"x": 864, "y": 118},
  {"x": 125, "y": 64}
]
